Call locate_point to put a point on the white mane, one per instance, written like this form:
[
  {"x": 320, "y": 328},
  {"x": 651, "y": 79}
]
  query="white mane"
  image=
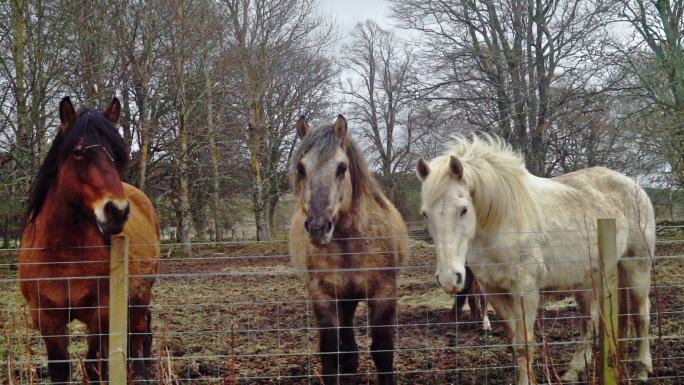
[{"x": 495, "y": 175}]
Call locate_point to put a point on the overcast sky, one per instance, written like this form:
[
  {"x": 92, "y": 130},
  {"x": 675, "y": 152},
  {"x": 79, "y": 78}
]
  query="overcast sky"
[{"x": 349, "y": 12}]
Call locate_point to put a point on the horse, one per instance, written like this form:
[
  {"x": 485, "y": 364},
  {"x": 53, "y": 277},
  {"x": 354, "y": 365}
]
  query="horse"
[
  {"x": 521, "y": 234},
  {"x": 347, "y": 240},
  {"x": 477, "y": 301},
  {"x": 76, "y": 203}
]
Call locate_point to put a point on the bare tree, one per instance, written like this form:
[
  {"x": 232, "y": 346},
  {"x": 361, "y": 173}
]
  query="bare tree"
[
  {"x": 180, "y": 51},
  {"x": 498, "y": 61},
  {"x": 380, "y": 69},
  {"x": 655, "y": 61},
  {"x": 274, "y": 43}
]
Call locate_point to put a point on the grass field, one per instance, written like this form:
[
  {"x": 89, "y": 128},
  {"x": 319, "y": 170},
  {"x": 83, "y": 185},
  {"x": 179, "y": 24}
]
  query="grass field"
[{"x": 240, "y": 313}]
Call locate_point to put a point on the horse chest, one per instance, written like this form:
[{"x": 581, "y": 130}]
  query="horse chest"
[
  {"x": 63, "y": 280},
  {"x": 351, "y": 269}
]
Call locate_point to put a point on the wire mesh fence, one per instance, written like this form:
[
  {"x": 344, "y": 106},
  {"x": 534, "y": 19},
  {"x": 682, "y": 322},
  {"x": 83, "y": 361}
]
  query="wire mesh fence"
[{"x": 238, "y": 313}]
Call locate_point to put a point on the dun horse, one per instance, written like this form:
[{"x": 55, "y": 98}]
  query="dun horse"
[
  {"x": 76, "y": 203},
  {"x": 521, "y": 234},
  {"x": 347, "y": 239}
]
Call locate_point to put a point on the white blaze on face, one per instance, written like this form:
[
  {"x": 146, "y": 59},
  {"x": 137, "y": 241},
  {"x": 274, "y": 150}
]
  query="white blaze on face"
[{"x": 451, "y": 221}]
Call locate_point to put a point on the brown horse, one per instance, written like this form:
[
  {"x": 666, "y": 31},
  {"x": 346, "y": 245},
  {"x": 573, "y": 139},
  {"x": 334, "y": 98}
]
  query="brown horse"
[
  {"x": 76, "y": 203},
  {"x": 477, "y": 301},
  {"x": 348, "y": 240}
]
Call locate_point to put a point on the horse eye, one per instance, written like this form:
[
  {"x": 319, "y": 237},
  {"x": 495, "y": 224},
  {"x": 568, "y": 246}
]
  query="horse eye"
[
  {"x": 464, "y": 211},
  {"x": 78, "y": 152},
  {"x": 341, "y": 169},
  {"x": 300, "y": 170}
]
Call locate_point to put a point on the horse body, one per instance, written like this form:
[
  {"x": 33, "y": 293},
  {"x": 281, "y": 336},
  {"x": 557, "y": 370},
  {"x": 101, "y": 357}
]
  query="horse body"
[
  {"x": 367, "y": 242},
  {"x": 534, "y": 234},
  {"x": 351, "y": 258},
  {"x": 64, "y": 256}
]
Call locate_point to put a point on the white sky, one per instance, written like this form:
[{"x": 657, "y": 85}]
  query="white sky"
[{"x": 349, "y": 12}]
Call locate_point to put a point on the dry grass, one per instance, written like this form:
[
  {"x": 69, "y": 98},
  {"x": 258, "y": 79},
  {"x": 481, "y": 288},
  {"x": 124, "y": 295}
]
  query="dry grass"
[{"x": 257, "y": 328}]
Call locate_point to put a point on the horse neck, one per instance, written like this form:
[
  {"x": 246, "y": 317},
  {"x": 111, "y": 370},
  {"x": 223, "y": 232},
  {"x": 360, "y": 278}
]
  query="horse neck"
[
  {"x": 354, "y": 220},
  {"x": 63, "y": 225}
]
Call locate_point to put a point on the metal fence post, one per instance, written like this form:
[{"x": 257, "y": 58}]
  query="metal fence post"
[
  {"x": 609, "y": 370},
  {"x": 118, "y": 311}
]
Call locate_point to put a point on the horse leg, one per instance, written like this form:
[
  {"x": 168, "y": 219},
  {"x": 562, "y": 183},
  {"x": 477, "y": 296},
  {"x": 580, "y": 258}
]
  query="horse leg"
[
  {"x": 464, "y": 295},
  {"x": 382, "y": 321},
  {"x": 53, "y": 329},
  {"x": 138, "y": 338},
  {"x": 349, "y": 356},
  {"x": 147, "y": 344},
  {"x": 481, "y": 305},
  {"x": 638, "y": 282},
  {"x": 623, "y": 311},
  {"x": 486, "y": 325},
  {"x": 98, "y": 345},
  {"x": 588, "y": 307},
  {"x": 510, "y": 308},
  {"x": 459, "y": 302},
  {"x": 326, "y": 316}
]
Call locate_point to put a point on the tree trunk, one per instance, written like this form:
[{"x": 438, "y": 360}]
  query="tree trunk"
[
  {"x": 213, "y": 151},
  {"x": 181, "y": 114},
  {"x": 259, "y": 195},
  {"x": 144, "y": 151},
  {"x": 23, "y": 141},
  {"x": 6, "y": 233}
]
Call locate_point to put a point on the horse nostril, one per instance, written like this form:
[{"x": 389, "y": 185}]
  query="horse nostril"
[
  {"x": 115, "y": 213},
  {"x": 328, "y": 225},
  {"x": 437, "y": 279},
  {"x": 459, "y": 278},
  {"x": 306, "y": 225}
]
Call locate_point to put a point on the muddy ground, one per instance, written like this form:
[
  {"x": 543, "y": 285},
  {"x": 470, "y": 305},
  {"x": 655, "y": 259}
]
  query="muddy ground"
[{"x": 238, "y": 314}]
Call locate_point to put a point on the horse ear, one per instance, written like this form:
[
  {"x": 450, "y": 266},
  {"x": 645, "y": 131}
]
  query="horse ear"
[
  {"x": 67, "y": 114},
  {"x": 302, "y": 127},
  {"x": 455, "y": 167},
  {"x": 341, "y": 129},
  {"x": 113, "y": 112},
  {"x": 422, "y": 169}
]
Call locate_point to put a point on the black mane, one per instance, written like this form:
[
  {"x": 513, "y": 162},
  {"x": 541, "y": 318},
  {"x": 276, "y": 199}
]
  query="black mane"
[{"x": 90, "y": 128}]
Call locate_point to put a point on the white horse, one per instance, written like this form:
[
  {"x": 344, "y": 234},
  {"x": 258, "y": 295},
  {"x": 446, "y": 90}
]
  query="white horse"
[{"x": 521, "y": 234}]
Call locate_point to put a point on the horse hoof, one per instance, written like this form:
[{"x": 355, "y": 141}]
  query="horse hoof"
[
  {"x": 486, "y": 326},
  {"x": 642, "y": 372}
]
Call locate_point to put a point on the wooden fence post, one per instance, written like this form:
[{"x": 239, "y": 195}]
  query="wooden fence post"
[
  {"x": 118, "y": 311},
  {"x": 609, "y": 370}
]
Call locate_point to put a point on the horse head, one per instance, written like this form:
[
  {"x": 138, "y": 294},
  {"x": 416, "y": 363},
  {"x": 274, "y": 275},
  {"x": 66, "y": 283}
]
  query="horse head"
[
  {"x": 447, "y": 206},
  {"x": 82, "y": 170},
  {"x": 321, "y": 177}
]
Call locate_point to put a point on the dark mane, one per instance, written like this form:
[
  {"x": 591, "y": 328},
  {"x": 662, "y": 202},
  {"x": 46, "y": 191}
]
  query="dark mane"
[
  {"x": 326, "y": 143},
  {"x": 92, "y": 128}
]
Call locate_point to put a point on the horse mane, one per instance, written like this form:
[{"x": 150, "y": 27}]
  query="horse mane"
[
  {"x": 92, "y": 128},
  {"x": 495, "y": 175},
  {"x": 325, "y": 141}
]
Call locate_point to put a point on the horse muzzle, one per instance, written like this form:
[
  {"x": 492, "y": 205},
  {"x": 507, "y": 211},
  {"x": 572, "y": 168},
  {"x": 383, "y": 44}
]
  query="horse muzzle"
[
  {"x": 112, "y": 215},
  {"x": 451, "y": 281},
  {"x": 320, "y": 230}
]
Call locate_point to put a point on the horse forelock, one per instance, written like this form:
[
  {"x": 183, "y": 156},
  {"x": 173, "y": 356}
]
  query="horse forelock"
[
  {"x": 90, "y": 128},
  {"x": 495, "y": 177},
  {"x": 324, "y": 142}
]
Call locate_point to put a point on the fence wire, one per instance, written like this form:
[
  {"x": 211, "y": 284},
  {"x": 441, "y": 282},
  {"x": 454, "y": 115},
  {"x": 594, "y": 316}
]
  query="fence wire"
[{"x": 238, "y": 313}]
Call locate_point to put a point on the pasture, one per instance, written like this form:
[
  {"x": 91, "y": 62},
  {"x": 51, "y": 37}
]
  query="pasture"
[{"x": 237, "y": 313}]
